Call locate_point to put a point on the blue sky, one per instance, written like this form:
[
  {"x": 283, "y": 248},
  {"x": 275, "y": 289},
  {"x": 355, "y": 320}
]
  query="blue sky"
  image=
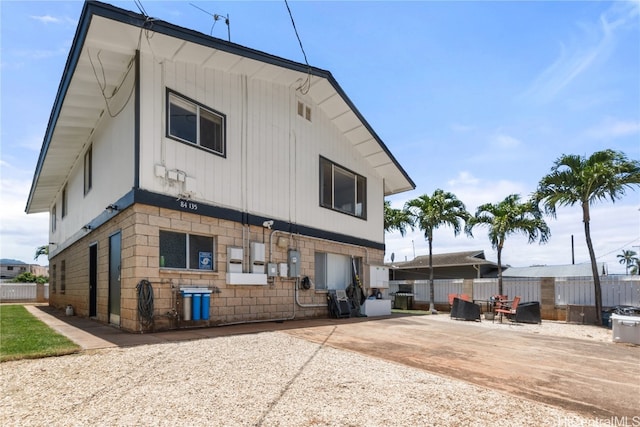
[{"x": 477, "y": 98}]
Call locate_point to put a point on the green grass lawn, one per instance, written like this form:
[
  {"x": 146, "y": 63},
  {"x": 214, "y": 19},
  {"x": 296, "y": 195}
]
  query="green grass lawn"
[{"x": 22, "y": 336}]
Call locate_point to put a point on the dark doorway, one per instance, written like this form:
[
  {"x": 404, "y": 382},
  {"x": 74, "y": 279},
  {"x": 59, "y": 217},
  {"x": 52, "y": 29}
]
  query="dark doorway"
[
  {"x": 93, "y": 280},
  {"x": 114, "y": 278}
]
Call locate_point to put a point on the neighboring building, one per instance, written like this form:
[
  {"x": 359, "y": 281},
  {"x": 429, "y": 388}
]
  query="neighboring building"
[
  {"x": 568, "y": 270},
  {"x": 455, "y": 265},
  {"x": 10, "y": 268},
  {"x": 187, "y": 161}
]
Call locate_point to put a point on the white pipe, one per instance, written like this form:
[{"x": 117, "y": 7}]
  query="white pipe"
[{"x": 304, "y": 305}]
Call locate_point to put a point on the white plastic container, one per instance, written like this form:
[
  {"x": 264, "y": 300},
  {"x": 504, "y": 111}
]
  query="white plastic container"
[{"x": 626, "y": 328}]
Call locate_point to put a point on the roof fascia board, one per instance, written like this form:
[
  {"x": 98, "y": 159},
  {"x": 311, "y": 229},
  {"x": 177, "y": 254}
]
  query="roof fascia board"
[
  {"x": 72, "y": 62},
  {"x": 96, "y": 8}
]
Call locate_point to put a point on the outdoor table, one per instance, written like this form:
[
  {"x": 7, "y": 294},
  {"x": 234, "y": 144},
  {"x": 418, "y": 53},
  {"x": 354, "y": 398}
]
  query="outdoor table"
[{"x": 487, "y": 302}]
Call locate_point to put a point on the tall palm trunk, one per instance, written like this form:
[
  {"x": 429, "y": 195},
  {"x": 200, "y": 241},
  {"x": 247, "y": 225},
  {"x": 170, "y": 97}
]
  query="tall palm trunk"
[
  {"x": 432, "y": 305},
  {"x": 500, "y": 269},
  {"x": 594, "y": 263}
]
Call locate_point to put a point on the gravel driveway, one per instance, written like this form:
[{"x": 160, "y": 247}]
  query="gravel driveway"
[{"x": 261, "y": 379}]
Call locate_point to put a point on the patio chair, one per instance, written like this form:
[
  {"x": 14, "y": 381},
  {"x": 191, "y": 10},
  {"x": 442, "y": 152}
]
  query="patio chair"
[
  {"x": 464, "y": 297},
  {"x": 451, "y": 297},
  {"x": 508, "y": 309}
]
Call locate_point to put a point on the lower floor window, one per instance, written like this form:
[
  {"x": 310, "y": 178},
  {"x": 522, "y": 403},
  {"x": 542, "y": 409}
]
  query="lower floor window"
[
  {"x": 334, "y": 271},
  {"x": 63, "y": 276},
  {"x": 52, "y": 279},
  {"x": 188, "y": 251}
]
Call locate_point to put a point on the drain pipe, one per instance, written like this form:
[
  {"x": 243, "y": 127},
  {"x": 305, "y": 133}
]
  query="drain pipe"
[{"x": 366, "y": 251}]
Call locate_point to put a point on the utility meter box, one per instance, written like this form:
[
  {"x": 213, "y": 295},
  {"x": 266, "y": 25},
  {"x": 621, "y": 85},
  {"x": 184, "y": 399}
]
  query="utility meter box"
[
  {"x": 293, "y": 262},
  {"x": 272, "y": 269},
  {"x": 234, "y": 260}
]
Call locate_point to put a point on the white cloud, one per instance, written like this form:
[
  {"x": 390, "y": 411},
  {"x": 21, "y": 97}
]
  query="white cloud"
[
  {"x": 463, "y": 178},
  {"x": 595, "y": 42},
  {"x": 46, "y": 19},
  {"x": 474, "y": 191},
  {"x": 503, "y": 141},
  {"x": 614, "y": 227},
  {"x": 21, "y": 233},
  {"x": 460, "y": 128},
  {"x": 611, "y": 128}
]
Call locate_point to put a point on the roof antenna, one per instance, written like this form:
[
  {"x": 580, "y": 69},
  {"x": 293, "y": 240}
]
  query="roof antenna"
[{"x": 216, "y": 18}]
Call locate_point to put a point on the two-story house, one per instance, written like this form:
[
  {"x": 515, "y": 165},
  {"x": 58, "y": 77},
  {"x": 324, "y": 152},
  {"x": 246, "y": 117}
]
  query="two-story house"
[{"x": 175, "y": 162}]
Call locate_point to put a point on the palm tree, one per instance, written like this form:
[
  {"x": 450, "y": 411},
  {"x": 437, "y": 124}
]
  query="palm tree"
[
  {"x": 508, "y": 217},
  {"x": 41, "y": 250},
  {"x": 575, "y": 179},
  {"x": 429, "y": 213},
  {"x": 396, "y": 219},
  {"x": 635, "y": 269},
  {"x": 628, "y": 258}
]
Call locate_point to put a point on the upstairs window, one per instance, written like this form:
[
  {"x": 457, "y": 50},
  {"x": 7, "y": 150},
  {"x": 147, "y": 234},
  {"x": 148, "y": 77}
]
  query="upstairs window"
[
  {"x": 64, "y": 201},
  {"x": 54, "y": 223},
  {"x": 342, "y": 190},
  {"x": 193, "y": 123},
  {"x": 88, "y": 170}
]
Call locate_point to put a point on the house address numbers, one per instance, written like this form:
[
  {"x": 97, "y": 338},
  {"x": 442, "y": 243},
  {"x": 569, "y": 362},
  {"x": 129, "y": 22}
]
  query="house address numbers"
[{"x": 185, "y": 204}]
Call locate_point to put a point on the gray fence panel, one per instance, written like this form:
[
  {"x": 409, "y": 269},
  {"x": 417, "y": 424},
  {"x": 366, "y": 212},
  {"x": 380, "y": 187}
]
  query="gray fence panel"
[
  {"x": 574, "y": 291},
  {"x": 441, "y": 289},
  {"x": 21, "y": 291},
  {"x": 620, "y": 290},
  {"x": 528, "y": 289},
  {"x": 616, "y": 290},
  {"x": 17, "y": 291},
  {"x": 484, "y": 289}
]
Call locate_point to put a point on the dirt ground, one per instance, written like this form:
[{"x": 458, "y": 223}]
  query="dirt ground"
[
  {"x": 572, "y": 367},
  {"x": 596, "y": 379}
]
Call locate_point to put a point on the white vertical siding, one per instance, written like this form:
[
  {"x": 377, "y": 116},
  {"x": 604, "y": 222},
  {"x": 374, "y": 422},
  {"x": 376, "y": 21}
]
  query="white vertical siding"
[
  {"x": 113, "y": 173},
  {"x": 272, "y": 155}
]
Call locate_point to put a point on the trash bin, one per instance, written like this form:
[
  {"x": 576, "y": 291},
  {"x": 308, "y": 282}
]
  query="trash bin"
[
  {"x": 197, "y": 301},
  {"x": 606, "y": 319},
  {"x": 206, "y": 298}
]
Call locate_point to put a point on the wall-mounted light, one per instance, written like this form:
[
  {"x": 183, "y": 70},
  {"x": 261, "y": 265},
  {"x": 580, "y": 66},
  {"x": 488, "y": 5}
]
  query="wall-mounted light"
[
  {"x": 87, "y": 227},
  {"x": 52, "y": 243},
  {"x": 111, "y": 208}
]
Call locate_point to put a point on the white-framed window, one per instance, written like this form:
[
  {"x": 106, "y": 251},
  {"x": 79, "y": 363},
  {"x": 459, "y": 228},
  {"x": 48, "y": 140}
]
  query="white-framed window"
[
  {"x": 54, "y": 220},
  {"x": 342, "y": 190},
  {"x": 186, "y": 251},
  {"x": 63, "y": 276},
  {"x": 64, "y": 201},
  {"x": 88, "y": 170},
  {"x": 52, "y": 279},
  {"x": 191, "y": 122},
  {"x": 334, "y": 271}
]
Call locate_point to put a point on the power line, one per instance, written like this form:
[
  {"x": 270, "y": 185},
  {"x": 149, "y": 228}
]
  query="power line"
[{"x": 304, "y": 88}]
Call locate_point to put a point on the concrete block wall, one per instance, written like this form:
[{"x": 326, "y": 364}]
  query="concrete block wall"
[{"x": 140, "y": 259}]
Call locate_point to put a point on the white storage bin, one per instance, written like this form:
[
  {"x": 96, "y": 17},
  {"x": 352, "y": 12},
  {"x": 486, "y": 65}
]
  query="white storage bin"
[{"x": 626, "y": 328}]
